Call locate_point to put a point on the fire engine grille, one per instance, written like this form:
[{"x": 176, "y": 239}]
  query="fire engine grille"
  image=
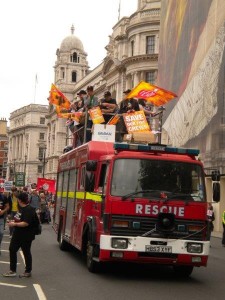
[{"x": 140, "y": 225}]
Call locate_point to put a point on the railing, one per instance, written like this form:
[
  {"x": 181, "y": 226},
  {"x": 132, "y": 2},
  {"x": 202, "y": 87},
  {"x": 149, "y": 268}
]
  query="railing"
[{"x": 80, "y": 133}]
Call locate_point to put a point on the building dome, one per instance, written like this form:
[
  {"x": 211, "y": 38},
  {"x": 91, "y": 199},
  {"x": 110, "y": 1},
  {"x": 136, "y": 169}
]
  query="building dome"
[{"x": 71, "y": 42}]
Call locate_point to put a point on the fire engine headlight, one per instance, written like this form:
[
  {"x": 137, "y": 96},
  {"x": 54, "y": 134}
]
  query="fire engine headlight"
[
  {"x": 118, "y": 243},
  {"x": 118, "y": 223},
  {"x": 194, "y": 247}
]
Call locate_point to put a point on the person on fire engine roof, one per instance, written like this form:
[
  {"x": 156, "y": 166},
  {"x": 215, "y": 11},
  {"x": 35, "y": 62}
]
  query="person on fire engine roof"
[{"x": 125, "y": 106}]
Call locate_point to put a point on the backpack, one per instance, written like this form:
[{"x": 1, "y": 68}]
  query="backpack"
[{"x": 36, "y": 224}]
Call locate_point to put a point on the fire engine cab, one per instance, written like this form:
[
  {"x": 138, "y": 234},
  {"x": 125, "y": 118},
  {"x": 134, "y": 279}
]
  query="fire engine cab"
[{"x": 128, "y": 202}]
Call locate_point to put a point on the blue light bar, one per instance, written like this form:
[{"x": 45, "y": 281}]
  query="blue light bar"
[{"x": 155, "y": 148}]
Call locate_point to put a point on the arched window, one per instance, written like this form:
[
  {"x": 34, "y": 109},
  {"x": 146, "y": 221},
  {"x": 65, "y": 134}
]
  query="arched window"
[
  {"x": 74, "y": 76},
  {"x": 73, "y": 57}
]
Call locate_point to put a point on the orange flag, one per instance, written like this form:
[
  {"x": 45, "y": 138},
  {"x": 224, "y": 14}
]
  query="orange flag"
[
  {"x": 74, "y": 116},
  {"x": 56, "y": 97},
  {"x": 114, "y": 120},
  {"x": 151, "y": 93}
]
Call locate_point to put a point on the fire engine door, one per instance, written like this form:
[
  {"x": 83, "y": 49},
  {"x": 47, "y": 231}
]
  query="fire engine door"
[
  {"x": 70, "y": 202},
  {"x": 79, "y": 213}
]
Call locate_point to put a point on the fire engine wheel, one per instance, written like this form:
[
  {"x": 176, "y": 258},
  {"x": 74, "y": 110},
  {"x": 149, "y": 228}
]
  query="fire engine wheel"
[
  {"x": 63, "y": 245},
  {"x": 92, "y": 265},
  {"x": 183, "y": 271}
]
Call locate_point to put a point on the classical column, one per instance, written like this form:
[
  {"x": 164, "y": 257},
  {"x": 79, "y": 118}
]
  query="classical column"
[{"x": 136, "y": 79}]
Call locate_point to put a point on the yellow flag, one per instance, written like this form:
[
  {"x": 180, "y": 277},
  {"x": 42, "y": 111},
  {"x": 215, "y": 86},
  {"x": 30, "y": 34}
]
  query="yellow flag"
[
  {"x": 151, "y": 93},
  {"x": 56, "y": 97}
]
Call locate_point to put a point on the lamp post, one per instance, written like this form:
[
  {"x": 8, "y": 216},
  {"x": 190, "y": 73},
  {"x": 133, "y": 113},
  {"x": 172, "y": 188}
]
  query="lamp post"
[
  {"x": 25, "y": 165},
  {"x": 43, "y": 159},
  {"x": 43, "y": 169},
  {"x": 14, "y": 169}
]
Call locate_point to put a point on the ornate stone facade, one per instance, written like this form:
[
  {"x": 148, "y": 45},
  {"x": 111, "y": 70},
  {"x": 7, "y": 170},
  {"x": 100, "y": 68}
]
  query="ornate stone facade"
[
  {"x": 132, "y": 56},
  {"x": 27, "y": 142}
]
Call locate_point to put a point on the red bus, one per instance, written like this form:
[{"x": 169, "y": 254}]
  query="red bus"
[{"x": 138, "y": 203}]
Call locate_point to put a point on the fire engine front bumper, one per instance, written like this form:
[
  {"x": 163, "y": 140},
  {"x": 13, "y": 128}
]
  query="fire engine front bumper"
[{"x": 154, "y": 250}]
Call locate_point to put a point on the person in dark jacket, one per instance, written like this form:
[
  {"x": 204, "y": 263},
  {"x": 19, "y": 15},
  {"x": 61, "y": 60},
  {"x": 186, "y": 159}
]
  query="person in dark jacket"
[
  {"x": 127, "y": 105},
  {"x": 23, "y": 235},
  {"x": 211, "y": 219},
  {"x": 4, "y": 207}
]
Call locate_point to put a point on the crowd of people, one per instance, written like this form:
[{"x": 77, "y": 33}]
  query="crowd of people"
[
  {"x": 109, "y": 107},
  {"x": 17, "y": 210}
]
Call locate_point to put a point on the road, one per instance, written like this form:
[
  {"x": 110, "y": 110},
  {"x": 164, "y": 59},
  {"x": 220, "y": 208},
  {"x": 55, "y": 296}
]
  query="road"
[{"x": 59, "y": 275}]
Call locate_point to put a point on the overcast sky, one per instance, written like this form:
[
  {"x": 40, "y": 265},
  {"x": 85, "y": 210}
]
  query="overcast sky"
[{"x": 30, "y": 33}]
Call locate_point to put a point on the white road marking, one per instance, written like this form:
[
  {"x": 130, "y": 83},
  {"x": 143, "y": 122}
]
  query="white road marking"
[
  {"x": 4, "y": 262},
  {"x": 13, "y": 285},
  {"x": 4, "y": 250},
  {"x": 39, "y": 291},
  {"x": 3, "y": 242}
]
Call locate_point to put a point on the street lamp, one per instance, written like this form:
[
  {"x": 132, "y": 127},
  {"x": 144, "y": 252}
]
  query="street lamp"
[
  {"x": 25, "y": 165},
  {"x": 43, "y": 158},
  {"x": 14, "y": 169}
]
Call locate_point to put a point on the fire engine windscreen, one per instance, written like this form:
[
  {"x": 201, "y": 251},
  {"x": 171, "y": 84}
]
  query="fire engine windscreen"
[{"x": 146, "y": 178}]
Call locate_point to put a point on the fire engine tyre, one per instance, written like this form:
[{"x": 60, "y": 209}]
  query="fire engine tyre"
[
  {"x": 63, "y": 245},
  {"x": 183, "y": 271},
  {"x": 92, "y": 265}
]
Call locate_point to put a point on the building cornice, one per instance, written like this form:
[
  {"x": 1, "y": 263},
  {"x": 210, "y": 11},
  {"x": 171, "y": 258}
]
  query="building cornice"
[{"x": 27, "y": 127}]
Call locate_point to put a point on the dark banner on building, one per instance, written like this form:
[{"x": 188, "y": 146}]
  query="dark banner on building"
[{"x": 192, "y": 64}]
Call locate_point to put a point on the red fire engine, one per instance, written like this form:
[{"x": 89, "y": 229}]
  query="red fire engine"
[{"x": 124, "y": 202}]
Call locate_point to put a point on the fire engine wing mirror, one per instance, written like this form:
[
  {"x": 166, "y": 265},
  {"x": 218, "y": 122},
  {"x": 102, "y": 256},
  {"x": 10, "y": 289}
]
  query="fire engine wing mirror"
[
  {"x": 89, "y": 182},
  {"x": 91, "y": 165},
  {"x": 216, "y": 191}
]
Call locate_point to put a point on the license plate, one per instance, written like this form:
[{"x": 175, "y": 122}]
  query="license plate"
[{"x": 159, "y": 249}]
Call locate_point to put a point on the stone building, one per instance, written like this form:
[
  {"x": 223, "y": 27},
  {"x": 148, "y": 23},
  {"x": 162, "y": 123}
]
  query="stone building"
[
  {"x": 27, "y": 142},
  {"x": 132, "y": 56},
  {"x": 3, "y": 148}
]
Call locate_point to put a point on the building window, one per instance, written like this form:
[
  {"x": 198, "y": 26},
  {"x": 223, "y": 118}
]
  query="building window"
[
  {"x": 41, "y": 136},
  {"x": 74, "y": 76},
  {"x": 62, "y": 73},
  {"x": 40, "y": 168},
  {"x": 150, "y": 77},
  {"x": 42, "y": 120},
  {"x": 150, "y": 44},
  {"x": 41, "y": 153},
  {"x": 132, "y": 48},
  {"x": 73, "y": 57}
]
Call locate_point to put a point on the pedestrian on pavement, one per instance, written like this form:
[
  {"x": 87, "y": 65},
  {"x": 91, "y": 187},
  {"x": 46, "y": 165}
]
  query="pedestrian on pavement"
[
  {"x": 223, "y": 220},
  {"x": 34, "y": 200},
  {"x": 23, "y": 235},
  {"x": 43, "y": 209},
  {"x": 4, "y": 207},
  {"x": 211, "y": 219},
  {"x": 13, "y": 207}
]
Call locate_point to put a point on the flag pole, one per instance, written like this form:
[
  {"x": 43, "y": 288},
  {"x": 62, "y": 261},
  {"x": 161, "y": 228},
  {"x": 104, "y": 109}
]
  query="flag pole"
[
  {"x": 119, "y": 10},
  {"x": 35, "y": 87}
]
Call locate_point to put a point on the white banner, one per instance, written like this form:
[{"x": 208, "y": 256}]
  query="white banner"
[{"x": 104, "y": 133}]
